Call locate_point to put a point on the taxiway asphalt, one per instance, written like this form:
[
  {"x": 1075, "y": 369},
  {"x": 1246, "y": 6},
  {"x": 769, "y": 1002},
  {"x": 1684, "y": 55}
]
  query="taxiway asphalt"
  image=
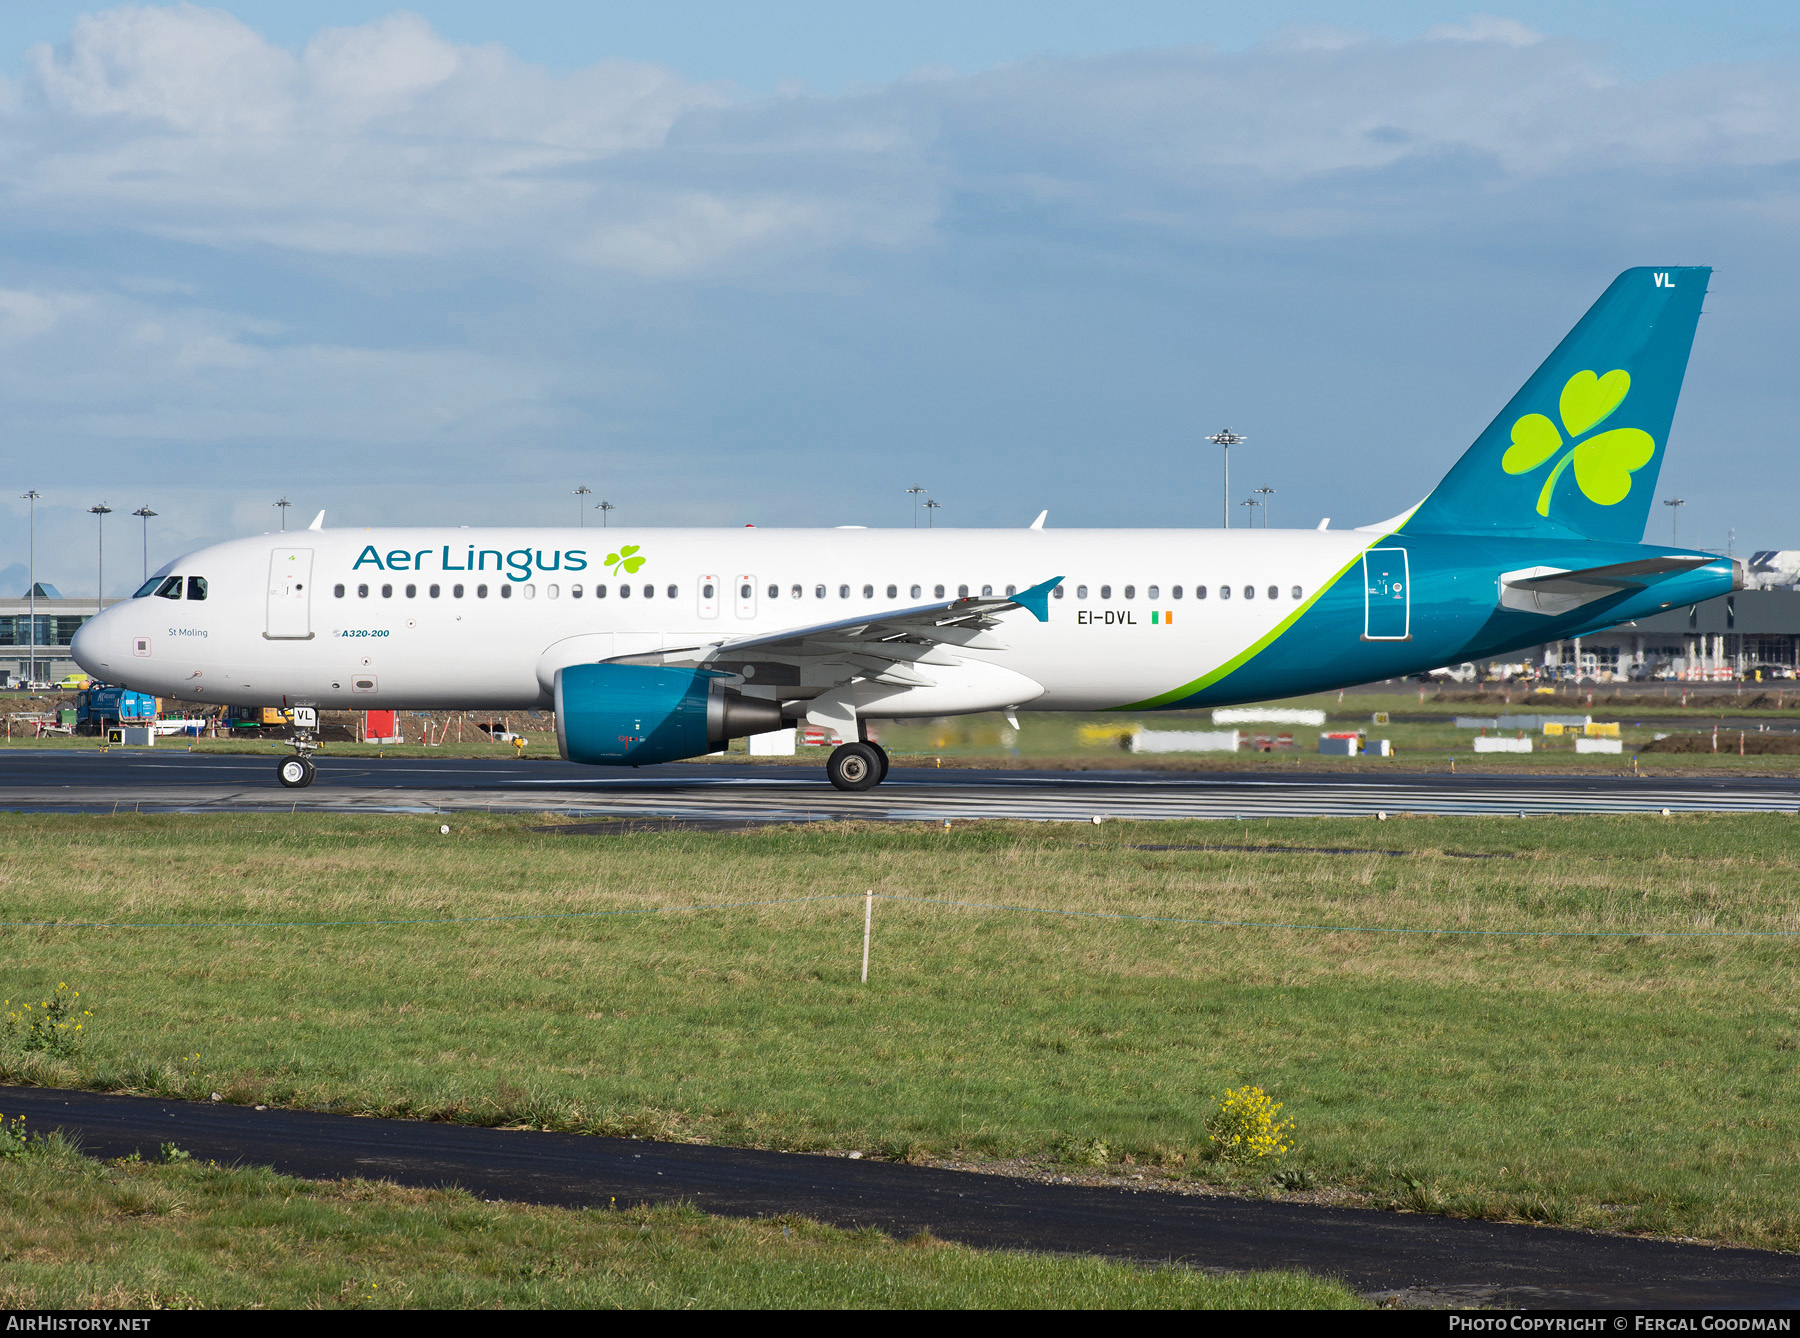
[
  {"x": 171, "y": 781},
  {"x": 1411, "y": 1257}
]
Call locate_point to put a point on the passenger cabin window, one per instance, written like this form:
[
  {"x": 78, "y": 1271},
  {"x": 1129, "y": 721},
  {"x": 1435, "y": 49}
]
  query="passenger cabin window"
[
  {"x": 600, "y": 592},
  {"x": 1274, "y": 592},
  {"x": 937, "y": 592},
  {"x": 552, "y": 591},
  {"x": 412, "y": 592},
  {"x": 797, "y": 591},
  {"x": 868, "y": 592},
  {"x": 456, "y": 592},
  {"x": 338, "y": 591},
  {"x": 387, "y": 592},
  {"x": 434, "y": 590},
  {"x": 1131, "y": 592},
  {"x": 1296, "y": 592},
  {"x": 1011, "y": 590},
  {"x": 706, "y": 591},
  {"x": 1174, "y": 592},
  {"x": 574, "y": 592},
  {"x": 843, "y": 592},
  {"x": 1058, "y": 592},
  {"x": 624, "y": 592},
  {"x": 1081, "y": 592},
  {"x": 774, "y": 592},
  {"x": 481, "y": 592},
  {"x": 673, "y": 591},
  {"x": 917, "y": 592},
  {"x": 1106, "y": 592},
  {"x": 506, "y": 592},
  {"x": 1249, "y": 592},
  {"x": 1199, "y": 592},
  {"x": 362, "y": 592},
  {"x": 1153, "y": 592},
  {"x": 649, "y": 592},
  {"x": 962, "y": 592},
  {"x": 1224, "y": 592},
  {"x": 893, "y": 592},
  {"x": 987, "y": 591}
]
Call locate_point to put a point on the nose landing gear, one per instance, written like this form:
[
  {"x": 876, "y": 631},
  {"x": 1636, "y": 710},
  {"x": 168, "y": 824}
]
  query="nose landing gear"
[
  {"x": 297, "y": 772},
  {"x": 857, "y": 766}
]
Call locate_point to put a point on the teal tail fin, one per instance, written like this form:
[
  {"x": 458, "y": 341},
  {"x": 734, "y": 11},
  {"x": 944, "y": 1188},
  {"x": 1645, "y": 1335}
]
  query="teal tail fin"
[{"x": 1577, "y": 451}]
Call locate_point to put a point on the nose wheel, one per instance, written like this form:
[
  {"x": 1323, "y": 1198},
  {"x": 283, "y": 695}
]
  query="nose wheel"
[
  {"x": 296, "y": 772},
  {"x": 856, "y": 766}
]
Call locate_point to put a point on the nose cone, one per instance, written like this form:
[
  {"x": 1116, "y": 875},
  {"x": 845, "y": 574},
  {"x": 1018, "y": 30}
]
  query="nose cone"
[{"x": 96, "y": 646}]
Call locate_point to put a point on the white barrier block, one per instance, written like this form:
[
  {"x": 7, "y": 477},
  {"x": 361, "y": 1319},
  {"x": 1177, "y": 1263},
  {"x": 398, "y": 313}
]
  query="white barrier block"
[
  {"x": 138, "y": 736},
  {"x": 1184, "y": 741},
  {"x": 776, "y": 743},
  {"x": 1342, "y": 745},
  {"x": 1266, "y": 715},
  {"x": 1502, "y": 745},
  {"x": 1380, "y": 748},
  {"x": 1599, "y": 746}
]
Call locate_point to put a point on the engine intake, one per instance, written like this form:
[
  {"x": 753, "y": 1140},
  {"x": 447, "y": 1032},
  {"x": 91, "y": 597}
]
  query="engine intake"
[{"x": 639, "y": 714}]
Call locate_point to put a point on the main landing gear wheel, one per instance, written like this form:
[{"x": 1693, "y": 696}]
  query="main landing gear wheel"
[
  {"x": 855, "y": 766},
  {"x": 881, "y": 756},
  {"x": 295, "y": 772}
]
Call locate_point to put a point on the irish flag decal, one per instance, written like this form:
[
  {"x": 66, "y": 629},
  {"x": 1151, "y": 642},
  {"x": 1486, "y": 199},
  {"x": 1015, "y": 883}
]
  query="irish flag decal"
[{"x": 1166, "y": 616}]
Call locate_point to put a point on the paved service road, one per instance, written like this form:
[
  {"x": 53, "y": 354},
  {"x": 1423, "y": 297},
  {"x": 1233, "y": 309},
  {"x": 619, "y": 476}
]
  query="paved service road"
[
  {"x": 199, "y": 782},
  {"x": 1423, "y": 1259}
]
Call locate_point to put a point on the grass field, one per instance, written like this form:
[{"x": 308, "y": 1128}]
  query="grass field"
[
  {"x": 85, "y": 1235},
  {"x": 1641, "y": 1079}
]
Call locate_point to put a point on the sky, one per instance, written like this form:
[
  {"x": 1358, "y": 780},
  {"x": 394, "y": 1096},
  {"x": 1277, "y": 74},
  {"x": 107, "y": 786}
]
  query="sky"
[{"x": 776, "y": 264}]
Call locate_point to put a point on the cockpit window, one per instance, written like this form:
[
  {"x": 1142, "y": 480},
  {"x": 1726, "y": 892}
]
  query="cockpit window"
[
  {"x": 196, "y": 587},
  {"x": 148, "y": 587},
  {"x": 170, "y": 588}
]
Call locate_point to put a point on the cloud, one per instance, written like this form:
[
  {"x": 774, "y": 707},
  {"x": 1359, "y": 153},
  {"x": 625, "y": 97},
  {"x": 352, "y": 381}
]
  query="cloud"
[{"x": 437, "y": 269}]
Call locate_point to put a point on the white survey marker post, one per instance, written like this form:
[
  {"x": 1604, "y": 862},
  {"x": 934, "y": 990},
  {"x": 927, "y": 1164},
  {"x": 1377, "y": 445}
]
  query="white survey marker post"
[{"x": 868, "y": 921}]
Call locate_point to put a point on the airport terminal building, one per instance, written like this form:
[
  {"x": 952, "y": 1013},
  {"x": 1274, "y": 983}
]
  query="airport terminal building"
[
  {"x": 1733, "y": 636},
  {"x": 58, "y": 619}
]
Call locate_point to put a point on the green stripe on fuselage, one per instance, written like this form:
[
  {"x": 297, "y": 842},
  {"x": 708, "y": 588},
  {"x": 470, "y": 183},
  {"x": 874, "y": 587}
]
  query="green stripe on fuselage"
[{"x": 1243, "y": 657}]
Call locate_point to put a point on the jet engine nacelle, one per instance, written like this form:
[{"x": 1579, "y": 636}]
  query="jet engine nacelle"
[{"x": 639, "y": 714}]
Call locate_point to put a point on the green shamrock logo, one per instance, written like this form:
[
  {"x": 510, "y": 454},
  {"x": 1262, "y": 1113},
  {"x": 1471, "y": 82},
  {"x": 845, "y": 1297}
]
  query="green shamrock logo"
[
  {"x": 626, "y": 559},
  {"x": 1603, "y": 464}
]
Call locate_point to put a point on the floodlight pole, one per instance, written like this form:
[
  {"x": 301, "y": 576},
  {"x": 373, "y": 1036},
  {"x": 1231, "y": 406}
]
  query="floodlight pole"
[
  {"x": 31, "y": 501},
  {"x": 915, "y": 490},
  {"x": 145, "y": 512},
  {"x": 581, "y": 507},
  {"x": 603, "y": 507},
  {"x": 1267, "y": 493},
  {"x": 1673, "y": 503},
  {"x": 100, "y": 513},
  {"x": 931, "y": 508},
  {"x": 284, "y": 504},
  {"x": 1225, "y": 439}
]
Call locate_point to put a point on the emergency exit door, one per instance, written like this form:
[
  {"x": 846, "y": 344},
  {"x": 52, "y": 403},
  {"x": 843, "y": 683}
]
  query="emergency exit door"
[
  {"x": 290, "y": 595},
  {"x": 1387, "y": 595}
]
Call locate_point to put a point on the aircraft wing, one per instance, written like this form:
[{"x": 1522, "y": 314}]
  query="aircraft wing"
[{"x": 883, "y": 646}]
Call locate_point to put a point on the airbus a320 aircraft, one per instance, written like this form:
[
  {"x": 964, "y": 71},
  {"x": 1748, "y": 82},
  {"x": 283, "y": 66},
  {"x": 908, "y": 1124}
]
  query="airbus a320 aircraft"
[{"x": 655, "y": 645}]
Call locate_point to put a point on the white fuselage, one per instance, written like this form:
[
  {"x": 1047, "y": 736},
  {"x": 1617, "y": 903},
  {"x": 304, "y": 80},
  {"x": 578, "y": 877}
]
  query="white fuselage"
[{"x": 451, "y": 618}]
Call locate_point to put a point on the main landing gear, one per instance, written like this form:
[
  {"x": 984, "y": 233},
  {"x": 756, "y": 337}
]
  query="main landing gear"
[{"x": 857, "y": 766}]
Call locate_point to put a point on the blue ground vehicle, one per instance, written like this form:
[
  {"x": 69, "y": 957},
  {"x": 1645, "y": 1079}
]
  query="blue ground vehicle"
[{"x": 99, "y": 708}]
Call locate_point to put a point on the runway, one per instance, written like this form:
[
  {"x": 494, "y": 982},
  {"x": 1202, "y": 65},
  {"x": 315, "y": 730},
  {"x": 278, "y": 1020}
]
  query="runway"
[
  {"x": 119, "y": 781},
  {"x": 1415, "y": 1258}
]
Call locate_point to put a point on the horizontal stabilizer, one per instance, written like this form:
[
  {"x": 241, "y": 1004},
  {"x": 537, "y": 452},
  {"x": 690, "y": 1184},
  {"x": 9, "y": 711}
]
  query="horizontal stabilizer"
[{"x": 1553, "y": 591}]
